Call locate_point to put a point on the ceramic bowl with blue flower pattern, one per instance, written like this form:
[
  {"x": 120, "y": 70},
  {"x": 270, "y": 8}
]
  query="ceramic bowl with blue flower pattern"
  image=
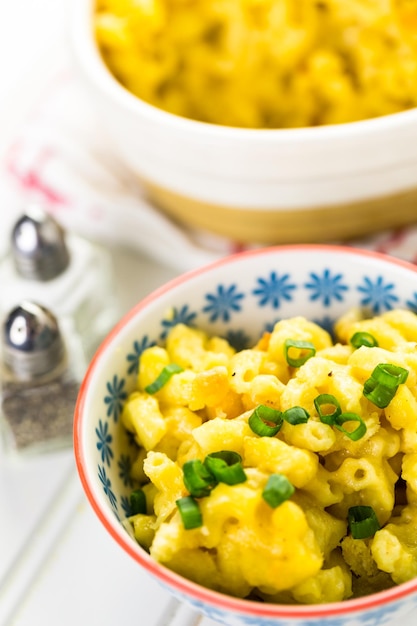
[{"x": 238, "y": 298}]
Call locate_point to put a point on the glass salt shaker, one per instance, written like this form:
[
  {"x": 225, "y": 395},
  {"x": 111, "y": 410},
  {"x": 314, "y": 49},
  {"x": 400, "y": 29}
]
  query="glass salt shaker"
[
  {"x": 41, "y": 369},
  {"x": 66, "y": 273}
]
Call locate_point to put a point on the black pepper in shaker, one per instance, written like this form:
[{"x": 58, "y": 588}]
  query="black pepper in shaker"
[{"x": 40, "y": 377}]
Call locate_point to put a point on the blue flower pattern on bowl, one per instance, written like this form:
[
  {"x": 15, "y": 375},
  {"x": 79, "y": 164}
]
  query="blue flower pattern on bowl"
[
  {"x": 179, "y": 316},
  {"x": 125, "y": 504},
  {"x": 378, "y": 294},
  {"x": 107, "y": 488},
  {"x": 412, "y": 304},
  {"x": 326, "y": 287},
  {"x": 115, "y": 397},
  {"x": 217, "y": 311},
  {"x": 125, "y": 467},
  {"x": 238, "y": 339},
  {"x": 273, "y": 289},
  {"x": 134, "y": 356},
  {"x": 104, "y": 440},
  {"x": 224, "y": 303}
]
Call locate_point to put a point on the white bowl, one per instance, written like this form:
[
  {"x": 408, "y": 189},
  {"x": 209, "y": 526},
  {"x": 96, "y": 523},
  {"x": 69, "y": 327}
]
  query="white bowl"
[
  {"x": 295, "y": 185},
  {"x": 238, "y": 298}
]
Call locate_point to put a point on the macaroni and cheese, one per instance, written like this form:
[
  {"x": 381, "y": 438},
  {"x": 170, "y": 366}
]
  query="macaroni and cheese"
[
  {"x": 264, "y": 63},
  {"x": 286, "y": 472}
]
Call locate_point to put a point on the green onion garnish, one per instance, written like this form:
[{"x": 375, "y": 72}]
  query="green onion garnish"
[
  {"x": 389, "y": 375},
  {"x": 277, "y": 490},
  {"x": 296, "y": 415},
  {"x": 226, "y": 467},
  {"x": 190, "y": 512},
  {"x": 378, "y": 394},
  {"x": 163, "y": 377},
  {"x": 330, "y": 412},
  {"x": 383, "y": 383},
  {"x": 363, "y": 522},
  {"x": 265, "y": 421},
  {"x": 197, "y": 479},
  {"x": 363, "y": 339},
  {"x": 327, "y": 407},
  {"x": 306, "y": 349},
  {"x": 137, "y": 502},
  {"x": 359, "y": 431}
]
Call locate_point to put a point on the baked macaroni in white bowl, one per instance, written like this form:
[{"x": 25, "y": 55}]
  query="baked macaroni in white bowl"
[
  {"x": 254, "y": 184},
  {"x": 248, "y": 435}
]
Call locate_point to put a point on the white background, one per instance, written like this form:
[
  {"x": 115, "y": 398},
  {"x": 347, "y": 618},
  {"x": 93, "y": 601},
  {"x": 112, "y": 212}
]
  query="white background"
[{"x": 32, "y": 43}]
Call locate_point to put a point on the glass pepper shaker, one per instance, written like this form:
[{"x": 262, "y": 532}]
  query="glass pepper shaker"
[
  {"x": 41, "y": 370},
  {"x": 66, "y": 273}
]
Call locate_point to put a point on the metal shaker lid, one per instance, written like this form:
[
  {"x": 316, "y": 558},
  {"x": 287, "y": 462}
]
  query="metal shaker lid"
[
  {"x": 32, "y": 341},
  {"x": 38, "y": 246}
]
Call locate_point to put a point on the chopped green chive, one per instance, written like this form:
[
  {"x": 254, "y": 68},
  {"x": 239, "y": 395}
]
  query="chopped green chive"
[
  {"x": 389, "y": 375},
  {"x": 378, "y": 394},
  {"x": 383, "y": 383},
  {"x": 137, "y": 502},
  {"x": 355, "y": 434},
  {"x": 298, "y": 352},
  {"x": 327, "y": 407},
  {"x": 296, "y": 415},
  {"x": 362, "y": 521},
  {"x": 197, "y": 479},
  {"x": 363, "y": 339},
  {"x": 277, "y": 490},
  {"x": 163, "y": 377},
  {"x": 265, "y": 421},
  {"x": 226, "y": 467},
  {"x": 190, "y": 512}
]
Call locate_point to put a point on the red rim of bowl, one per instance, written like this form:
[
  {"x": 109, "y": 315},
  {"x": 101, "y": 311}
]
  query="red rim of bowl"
[{"x": 168, "y": 577}]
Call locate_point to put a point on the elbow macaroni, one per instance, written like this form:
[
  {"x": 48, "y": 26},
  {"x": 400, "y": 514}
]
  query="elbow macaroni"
[
  {"x": 264, "y": 64},
  {"x": 302, "y": 550}
]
